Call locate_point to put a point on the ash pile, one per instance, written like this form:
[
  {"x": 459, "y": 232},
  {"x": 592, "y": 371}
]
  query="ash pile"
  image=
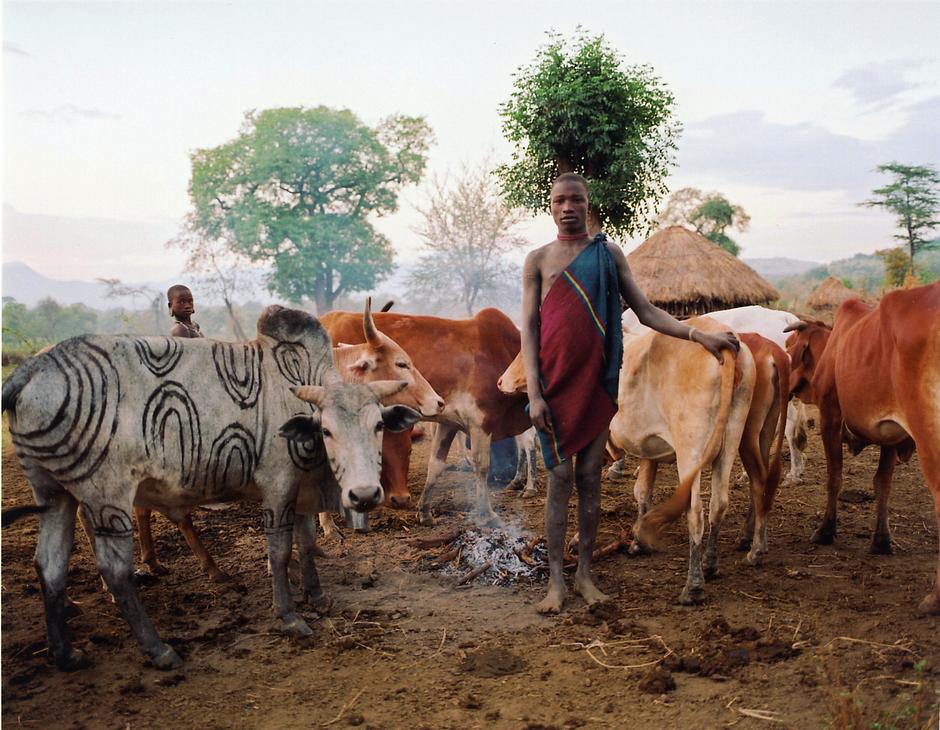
[{"x": 494, "y": 557}]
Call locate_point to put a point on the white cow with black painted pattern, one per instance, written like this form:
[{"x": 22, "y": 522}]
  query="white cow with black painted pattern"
[{"x": 107, "y": 423}]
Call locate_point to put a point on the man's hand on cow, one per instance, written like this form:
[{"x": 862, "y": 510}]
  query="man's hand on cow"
[
  {"x": 718, "y": 342},
  {"x": 540, "y": 415}
]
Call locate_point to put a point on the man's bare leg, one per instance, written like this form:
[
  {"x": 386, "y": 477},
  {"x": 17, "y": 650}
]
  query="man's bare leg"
[
  {"x": 587, "y": 477},
  {"x": 556, "y": 523}
]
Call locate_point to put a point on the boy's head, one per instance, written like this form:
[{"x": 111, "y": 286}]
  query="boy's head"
[
  {"x": 569, "y": 202},
  {"x": 180, "y": 301}
]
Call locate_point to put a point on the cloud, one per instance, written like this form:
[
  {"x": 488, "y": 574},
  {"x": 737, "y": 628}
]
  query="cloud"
[
  {"x": 70, "y": 112},
  {"x": 14, "y": 49},
  {"x": 745, "y": 147},
  {"x": 878, "y": 84}
]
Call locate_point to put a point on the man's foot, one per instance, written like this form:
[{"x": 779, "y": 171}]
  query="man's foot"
[
  {"x": 553, "y": 601},
  {"x": 591, "y": 594}
]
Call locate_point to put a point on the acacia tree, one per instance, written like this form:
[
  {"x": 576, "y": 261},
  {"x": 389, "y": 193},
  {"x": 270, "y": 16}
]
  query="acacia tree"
[
  {"x": 576, "y": 108},
  {"x": 296, "y": 190},
  {"x": 467, "y": 229},
  {"x": 914, "y": 197},
  {"x": 710, "y": 214}
]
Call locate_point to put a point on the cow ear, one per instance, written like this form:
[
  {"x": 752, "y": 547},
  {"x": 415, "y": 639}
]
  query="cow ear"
[
  {"x": 807, "y": 358},
  {"x": 363, "y": 365},
  {"x": 301, "y": 428},
  {"x": 309, "y": 393},
  {"x": 341, "y": 345},
  {"x": 387, "y": 388},
  {"x": 399, "y": 418}
]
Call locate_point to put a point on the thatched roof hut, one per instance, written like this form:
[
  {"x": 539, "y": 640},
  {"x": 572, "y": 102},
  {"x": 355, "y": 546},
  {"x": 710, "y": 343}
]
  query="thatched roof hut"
[
  {"x": 684, "y": 273},
  {"x": 829, "y": 295}
]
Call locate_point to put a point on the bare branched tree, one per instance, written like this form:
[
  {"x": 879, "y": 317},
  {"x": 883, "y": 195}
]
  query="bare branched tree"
[
  {"x": 467, "y": 230},
  {"x": 217, "y": 269},
  {"x": 116, "y": 289}
]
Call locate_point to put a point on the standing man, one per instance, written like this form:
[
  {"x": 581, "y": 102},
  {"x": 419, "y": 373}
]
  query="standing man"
[{"x": 572, "y": 347}]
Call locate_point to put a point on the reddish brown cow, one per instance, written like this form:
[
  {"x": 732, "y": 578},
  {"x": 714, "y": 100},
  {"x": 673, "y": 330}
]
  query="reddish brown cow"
[
  {"x": 461, "y": 360},
  {"x": 876, "y": 380}
]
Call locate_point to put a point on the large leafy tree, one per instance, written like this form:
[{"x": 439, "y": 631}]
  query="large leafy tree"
[
  {"x": 913, "y": 195},
  {"x": 578, "y": 108},
  {"x": 297, "y": 188},
  {"x": 467, "y": 230},
  {"x": 711, "y": 214}
]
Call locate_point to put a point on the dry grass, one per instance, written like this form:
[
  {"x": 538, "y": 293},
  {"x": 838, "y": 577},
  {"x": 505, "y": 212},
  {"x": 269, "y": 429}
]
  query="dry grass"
[{"x": 686, "y": 274}]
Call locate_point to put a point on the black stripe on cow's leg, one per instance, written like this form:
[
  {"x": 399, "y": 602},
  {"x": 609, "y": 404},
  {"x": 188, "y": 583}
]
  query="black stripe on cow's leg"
[
  {"x": 114, "y": 553},
  {"x": 56, "y": 534}
]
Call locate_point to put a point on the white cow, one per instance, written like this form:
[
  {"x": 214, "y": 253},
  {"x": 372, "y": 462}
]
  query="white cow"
[{"x": 110, "y": 423}]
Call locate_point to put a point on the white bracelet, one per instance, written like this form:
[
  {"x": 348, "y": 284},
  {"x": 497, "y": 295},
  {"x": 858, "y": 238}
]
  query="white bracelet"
[{"x": 691, "y": 330}]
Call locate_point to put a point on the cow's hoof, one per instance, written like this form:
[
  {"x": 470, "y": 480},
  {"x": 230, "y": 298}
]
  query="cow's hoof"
[
  {"x": 692, "y": 596},
  {"x": 219, "y": 576},
  {"x": 295, "y": 627},
  {"x": 637, "y": 548},
  {"x": 710, "y": 570},
  {"x": 426, "y": 520},
  {"x": 73, "y": 660},
  {"x": 823, "y": 536},
  {"x": 515, "y": 485},
  {"x": 930, "y": 606},
  {"x": 754, "y": 557},
  {"x": 744, "y": 543},
  {"x": 530, "y": 493},
  {"x": 320, "y": 603},
  {"x": 166, "y": 659},
  {"x": 880, "y": 546}
]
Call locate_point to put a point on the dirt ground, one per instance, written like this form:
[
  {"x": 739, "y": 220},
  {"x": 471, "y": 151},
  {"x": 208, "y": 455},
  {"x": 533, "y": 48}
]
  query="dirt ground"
[{"x": 815, "y": 637}]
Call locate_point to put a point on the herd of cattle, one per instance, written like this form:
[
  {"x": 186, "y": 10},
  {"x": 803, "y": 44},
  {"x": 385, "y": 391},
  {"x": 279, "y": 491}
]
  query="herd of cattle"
[{"x": 313, "y": 417}]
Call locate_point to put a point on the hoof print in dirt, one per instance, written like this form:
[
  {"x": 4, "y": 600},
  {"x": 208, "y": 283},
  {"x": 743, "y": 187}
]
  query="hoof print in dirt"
[
  {"x": 492, "y": 662},
  {"x": 657, "y": 681}
]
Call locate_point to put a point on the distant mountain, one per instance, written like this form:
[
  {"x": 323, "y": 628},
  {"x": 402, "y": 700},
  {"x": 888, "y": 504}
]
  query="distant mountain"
[{"x": 780, "y": 267}]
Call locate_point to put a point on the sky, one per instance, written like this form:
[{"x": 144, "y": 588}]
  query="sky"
[{"x": 786, "y": 107}]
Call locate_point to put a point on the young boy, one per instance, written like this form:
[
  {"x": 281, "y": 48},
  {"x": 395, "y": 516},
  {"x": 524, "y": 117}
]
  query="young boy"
[
  {"x": 572, "y": 349},
  {"x": 180, "y": 301}
]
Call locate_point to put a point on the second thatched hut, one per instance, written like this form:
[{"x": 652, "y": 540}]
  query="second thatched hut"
[{"x": 684, "y": 273}]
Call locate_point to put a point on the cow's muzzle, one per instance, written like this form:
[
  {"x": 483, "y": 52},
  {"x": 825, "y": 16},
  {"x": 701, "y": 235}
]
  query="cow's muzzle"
[
  {"x": 397, "y": 501},
  {"x": 365, "y": 497}
]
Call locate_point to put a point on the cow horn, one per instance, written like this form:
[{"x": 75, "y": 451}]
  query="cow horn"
[
  {"x": 796, "y": 327},
  {"x": 386, "y": 388},
  {"x": 368, "y": 326},
  {"x": 309, "y": 393}
]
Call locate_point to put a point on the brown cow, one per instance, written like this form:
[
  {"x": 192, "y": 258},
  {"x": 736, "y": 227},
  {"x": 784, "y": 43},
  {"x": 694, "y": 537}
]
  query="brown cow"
[
  {"x": 377, "y": 358},
  {"x": 876, "y": 380},
  {"x": 461, "y": 358}
]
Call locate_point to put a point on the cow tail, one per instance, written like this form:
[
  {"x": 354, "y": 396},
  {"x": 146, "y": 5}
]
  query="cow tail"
[
  {"x": 782, "y": 363},
  {"x": 15, "y": 383},
  {"x": 649, "y": 527},
  {"x": 9, "y": 516}
]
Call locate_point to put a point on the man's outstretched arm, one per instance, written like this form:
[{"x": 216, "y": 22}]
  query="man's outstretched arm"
[{"x": 655, "y": 318}]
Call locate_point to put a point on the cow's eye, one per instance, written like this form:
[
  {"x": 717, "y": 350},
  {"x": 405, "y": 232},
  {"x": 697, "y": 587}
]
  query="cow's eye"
[
  {"x": 379, "y": 427},
  {"x": 327, "y": 433},
  {"x": 402, "y": 365}
]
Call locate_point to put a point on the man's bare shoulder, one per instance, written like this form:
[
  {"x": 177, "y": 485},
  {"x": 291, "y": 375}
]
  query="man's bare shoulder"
[
  {"x": 615, "y": 250},
  {"x": 535, "y": 257}
]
